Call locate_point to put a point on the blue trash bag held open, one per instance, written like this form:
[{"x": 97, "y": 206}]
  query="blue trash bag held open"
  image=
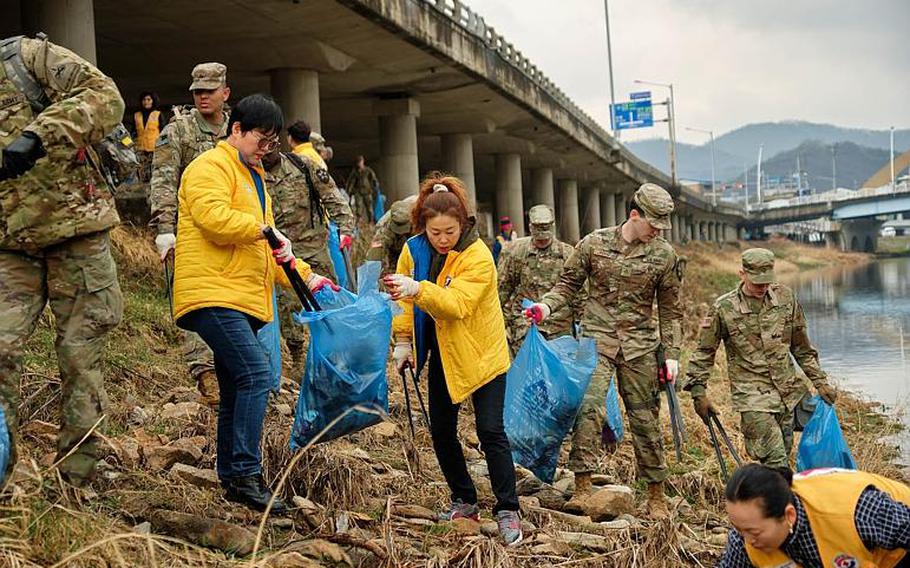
[
  {"x": 378, "y": 205},
  {"x": 345, "y": 362},
  {"x": 4, "y": 446},
  {"x": 822, "y": 443},
  {"x": 544, "y": 389},
  {"x": 270, "y": 338},
  {"x": 334, "y": 244},
  {"x": 613, "y": 429}
]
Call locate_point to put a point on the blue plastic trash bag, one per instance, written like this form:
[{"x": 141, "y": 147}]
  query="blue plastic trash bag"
[
  {"x": 270, "y": 338},
  {"x": 346, "y": 360},
  {"x": 378, "y": 206},
  {"x": 822, "y": 443},
  {"x": 544, "y": 390},
  {"x": 612, "y": 430},
  {"x": 4, "y": 446},
  {"x": 334, "y": 244}
]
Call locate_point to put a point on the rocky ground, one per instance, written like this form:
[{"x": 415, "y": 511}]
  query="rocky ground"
[{"x": 367, "y": 500}]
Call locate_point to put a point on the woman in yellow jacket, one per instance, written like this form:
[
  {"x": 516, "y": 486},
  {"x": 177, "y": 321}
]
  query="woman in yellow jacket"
[
  {"x": 446, "y": 284},
  {"x": 223, "y": 279},
  {"x": 821, "y": 518}
]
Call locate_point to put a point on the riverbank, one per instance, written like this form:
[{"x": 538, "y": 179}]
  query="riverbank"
[{"x": 365, "y": 500}]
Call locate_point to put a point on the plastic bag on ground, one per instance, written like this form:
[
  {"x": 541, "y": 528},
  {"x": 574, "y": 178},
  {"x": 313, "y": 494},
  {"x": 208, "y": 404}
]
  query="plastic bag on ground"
[
  {"x": 613, "y": 429},
  {"x": 822, "y": 443},
  {"x": 270, "y": 338},
  {"x": 334, "y": 244},
  {"x": 346, "y": 361},
  {"x": 544, "y": 390},
  {"x": 5, "y": 447}
]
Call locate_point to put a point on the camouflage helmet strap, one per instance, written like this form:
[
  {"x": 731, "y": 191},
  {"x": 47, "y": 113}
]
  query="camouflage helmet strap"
[{"x": 14, "y": 67}]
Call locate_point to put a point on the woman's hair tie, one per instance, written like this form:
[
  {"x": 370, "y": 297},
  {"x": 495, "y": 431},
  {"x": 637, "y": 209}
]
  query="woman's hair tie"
[{"x": 439, "y": 187}]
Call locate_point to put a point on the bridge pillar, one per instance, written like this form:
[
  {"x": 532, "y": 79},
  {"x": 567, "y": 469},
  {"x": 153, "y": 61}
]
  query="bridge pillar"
[
  {"x": 859, "y": 235},
  {"x": 399, "y": 172},
  {"x": 458, "y": 159},
  {"x": 509, "y": 199},
  {"x": 297, "y": 91},
  {"x": 542, "y": 192},
  {"x": 674, "y": 228},
  {"x": 621, "y": 204},
  {"x": 711, "y": 236},
  {"x": 608, "y": 208},
  {"x": 740, "y": 233},
  {"x": 568, "y": 210},
  {"x": 70, "y": 23},
  {"x": 591, "y": 218},
  {"x": 702, "y": 231}
]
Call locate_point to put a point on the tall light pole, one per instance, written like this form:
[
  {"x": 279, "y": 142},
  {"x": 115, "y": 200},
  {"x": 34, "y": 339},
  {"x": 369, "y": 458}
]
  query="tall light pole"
[
  {"x": 761, "y": 147},
  {"x": 713, "y": 170},
  {"x": 671, "y": 122},
  {"x": 834, "y": 167},
  {"x": 616, "y": 132},
  {"x": 893, "y": 186}
]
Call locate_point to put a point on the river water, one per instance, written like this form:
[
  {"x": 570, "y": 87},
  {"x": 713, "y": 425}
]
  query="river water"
[{"x": 859, "y": 320}]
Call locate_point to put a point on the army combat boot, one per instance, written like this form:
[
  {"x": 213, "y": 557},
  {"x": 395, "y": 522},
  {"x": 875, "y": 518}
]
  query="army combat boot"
[
  {"x": 583, "y": 490},
  {"x": 207, "y": 383},
  {"x": 656, "y": 505}
]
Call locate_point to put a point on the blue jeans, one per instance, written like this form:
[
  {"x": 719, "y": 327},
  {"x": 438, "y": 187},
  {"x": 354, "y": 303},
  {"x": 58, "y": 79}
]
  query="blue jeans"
[{"x": 242, "y": 368}]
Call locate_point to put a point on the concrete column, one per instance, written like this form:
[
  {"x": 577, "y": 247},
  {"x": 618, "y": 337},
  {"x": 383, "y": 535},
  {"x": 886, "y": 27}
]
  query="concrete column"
[
  {"x": 621, "y": 204},
  {"x": 509, "y": 200},
  {"x": 568, "y": 210},
  {"x": 70, "y": 23},
  {"x": 608, "y": 208},
  {"x": 711, "y": 237},
  {"x": 297, "y": 91},
  {"x": 399, "y": 173},
  {"x": 674, "y": 228},
  {"x": 740, "y": 233},
  {"x": 542, "y": 188},
  {"x": 458, "y": 159},
  {"x": 591, "y": 219}
]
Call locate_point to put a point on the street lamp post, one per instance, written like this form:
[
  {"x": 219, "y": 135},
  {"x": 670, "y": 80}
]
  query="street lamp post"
[
  {"x": 893, "y": 186},
  {"x": 616, "y": 133},
  {"x": 671, "y": 122},
  {"x": 761, "y": 148},
  {"x": 713, "y": 166}
]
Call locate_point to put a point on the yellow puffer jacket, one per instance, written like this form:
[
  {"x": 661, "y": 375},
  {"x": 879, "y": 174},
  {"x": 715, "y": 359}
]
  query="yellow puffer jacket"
[
  {"x": 222, "y": 259},
  {"x": 464, "y": 303},
  {"x": 306, "y": 149}
]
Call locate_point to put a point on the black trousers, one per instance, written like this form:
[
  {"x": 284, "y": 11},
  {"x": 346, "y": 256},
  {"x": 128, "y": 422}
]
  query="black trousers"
[{"x": 488, "y": 405}]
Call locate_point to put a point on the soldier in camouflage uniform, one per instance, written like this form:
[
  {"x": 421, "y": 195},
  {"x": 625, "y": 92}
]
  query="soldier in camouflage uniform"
[
  {"x": 363, "y": 185},
  {"x": 55, "y": 215},
  {"x": 190, "y": 133},
  {"x": 761, "y": 324},
  {"x": 303, "y": 196},
  {"x": 392, "y": 231},
  {"x": 530, "y": 268},
  {"x": 626, "y": 267}
]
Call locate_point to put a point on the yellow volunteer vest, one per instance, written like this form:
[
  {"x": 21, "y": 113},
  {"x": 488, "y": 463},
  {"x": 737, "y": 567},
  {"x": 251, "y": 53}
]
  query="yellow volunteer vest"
[
  {"x": 829, "y": 497},
  {"x": 147, "y": 134}
]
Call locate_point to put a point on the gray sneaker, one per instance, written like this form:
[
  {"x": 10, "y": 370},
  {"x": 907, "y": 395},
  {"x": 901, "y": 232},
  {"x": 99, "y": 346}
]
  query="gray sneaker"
[
  {"x": 459, "y": 510},
  {"x": 509, "y": 527}
]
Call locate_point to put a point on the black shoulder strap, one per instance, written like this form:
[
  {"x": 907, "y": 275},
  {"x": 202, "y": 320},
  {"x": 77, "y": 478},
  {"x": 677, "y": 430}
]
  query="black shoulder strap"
[
  {"x": 317, "y": 211},
  {"x": 11, "y": 58}
]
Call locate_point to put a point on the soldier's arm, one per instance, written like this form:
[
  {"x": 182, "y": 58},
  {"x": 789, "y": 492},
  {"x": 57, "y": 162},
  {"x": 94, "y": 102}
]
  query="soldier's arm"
[
  {"x": 166, "y": 169},
  {"x": 506, "y": 283},
  {"x": 574, "y": 273},
  {"x": 85, "y": 103},
  {"x": 380, "y": 243},
  {"x": 806, "y": 355},
  {"x": 702, "y": 360},
  {"x": 669, "y": 310},
  {"x": 335, "y": 205}
]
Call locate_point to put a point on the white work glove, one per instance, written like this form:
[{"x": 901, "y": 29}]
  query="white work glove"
[
  {"x": 317, "y": 282},
  {"x": 537, "y": 312},
  {"x": 165, "y": 243},
  {"x": 401, "y": 286},
  {"x": 403, "y": 354},
  {"x": 672, "y": 370},
  {"x": 284, "y": 253}
]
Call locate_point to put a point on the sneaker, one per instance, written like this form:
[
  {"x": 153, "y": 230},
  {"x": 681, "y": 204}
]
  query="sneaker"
[
  {"x": 459, "y": 510},
  {"x": 509, "y": 524},
  {"x": 252, "y": 492}
]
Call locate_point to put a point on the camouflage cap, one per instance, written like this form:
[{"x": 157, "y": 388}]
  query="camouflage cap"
[
  {"x": 758, "y": 263},
  {"x": 317, "y": 140},
  {"x": 655, "y": 203},
  {"x": 209, "y": 76},
  {"x": 541, "y": 215},
  {"x": 400, "y": 214}
]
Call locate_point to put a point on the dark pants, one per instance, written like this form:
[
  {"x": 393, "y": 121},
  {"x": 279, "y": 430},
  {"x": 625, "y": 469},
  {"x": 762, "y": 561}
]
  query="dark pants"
[
  {"x": 244, "y": 376},
  {"x": 488, "y": 404}
]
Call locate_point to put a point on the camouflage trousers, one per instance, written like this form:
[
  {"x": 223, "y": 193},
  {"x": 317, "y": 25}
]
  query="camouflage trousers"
[
  {"x": 78, "y": 279},
  {"x": 640, "y": 392},
  {"x": 197, "y": 354},
  {"x": 768, "y": 437},
  {"x": 295, "y": 335}
]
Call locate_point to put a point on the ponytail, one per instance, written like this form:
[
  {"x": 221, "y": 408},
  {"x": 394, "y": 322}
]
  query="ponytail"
[{"x": 440, "y": 194}]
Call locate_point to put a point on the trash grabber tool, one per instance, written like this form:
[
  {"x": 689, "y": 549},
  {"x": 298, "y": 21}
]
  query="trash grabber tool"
[
  {"x": 300, "y": 288},
  {"x": 720, "y": 457},
  {"x": 349, "y": 268},
  {"x": 169, "y": 282},
  {"x": 407, "y": 402},
  {"x": 726, "y": 439},
  {"x": 423, "y": 408},
  {"x": 676, "y": 420}
]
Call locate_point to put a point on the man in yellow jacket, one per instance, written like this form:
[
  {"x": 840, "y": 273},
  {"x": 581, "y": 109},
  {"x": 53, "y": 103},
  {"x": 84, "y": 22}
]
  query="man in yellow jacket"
[{"x": 223, "y": 284}]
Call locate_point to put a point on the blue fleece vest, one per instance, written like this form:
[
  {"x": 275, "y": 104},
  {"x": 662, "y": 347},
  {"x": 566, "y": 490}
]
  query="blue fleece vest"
[{"x": 421, "y": 254}]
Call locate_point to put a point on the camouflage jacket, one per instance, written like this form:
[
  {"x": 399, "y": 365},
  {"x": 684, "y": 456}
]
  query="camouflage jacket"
[
  {"x": 758, "y": 347},
  {"x": 387, "y": 244},
  {"x": 293, "y": 207},
  {"x": 623, "y": 282},
  {"x": 63, "y": 196},
  {"x": 528, "y": 272},
  {"x": 185, "y": 137},
  {"x": 361, "y": 185}
]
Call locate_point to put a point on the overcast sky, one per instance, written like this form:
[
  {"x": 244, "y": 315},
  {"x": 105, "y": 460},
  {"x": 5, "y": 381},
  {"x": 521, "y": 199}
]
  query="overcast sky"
[{"x": 732, "y": 62}]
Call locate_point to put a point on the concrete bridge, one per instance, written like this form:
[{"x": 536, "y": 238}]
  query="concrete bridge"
[{"x": 414, "y": 85}]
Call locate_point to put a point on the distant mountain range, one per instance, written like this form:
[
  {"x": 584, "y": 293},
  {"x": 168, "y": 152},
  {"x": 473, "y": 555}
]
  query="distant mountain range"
[{"x": 860, "y": 152}]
